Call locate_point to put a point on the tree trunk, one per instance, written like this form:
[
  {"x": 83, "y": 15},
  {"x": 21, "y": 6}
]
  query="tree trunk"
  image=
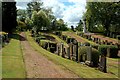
[{"x": 107, "y": 31}]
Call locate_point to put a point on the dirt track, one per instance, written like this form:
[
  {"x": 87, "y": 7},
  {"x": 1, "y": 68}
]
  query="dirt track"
[{"x": 38, "y": 66}]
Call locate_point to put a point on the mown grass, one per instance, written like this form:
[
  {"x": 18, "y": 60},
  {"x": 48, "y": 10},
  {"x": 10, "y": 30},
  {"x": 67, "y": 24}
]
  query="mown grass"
[
  {"x": 59, "y": 40},
  {"x": 113, "y": 66},
  {"x": 82, "y": 71},
  {"x": 12, "y": 59},
  {"x": 75, "y": 35}
]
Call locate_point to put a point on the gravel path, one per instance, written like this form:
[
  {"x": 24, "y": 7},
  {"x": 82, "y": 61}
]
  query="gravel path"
[{"x": 38, "y": 66}]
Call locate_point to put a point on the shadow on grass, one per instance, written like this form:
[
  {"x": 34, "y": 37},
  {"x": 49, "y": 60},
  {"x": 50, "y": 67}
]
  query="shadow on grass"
[{"x": 18, "y": 37}]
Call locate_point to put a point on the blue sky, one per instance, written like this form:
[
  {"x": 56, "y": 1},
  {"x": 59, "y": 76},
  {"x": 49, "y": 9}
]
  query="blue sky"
[{"x": 70, "y": 11}]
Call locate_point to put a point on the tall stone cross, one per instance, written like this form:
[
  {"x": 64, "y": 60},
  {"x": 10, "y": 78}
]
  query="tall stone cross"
[{"x": 84, "y": 26}]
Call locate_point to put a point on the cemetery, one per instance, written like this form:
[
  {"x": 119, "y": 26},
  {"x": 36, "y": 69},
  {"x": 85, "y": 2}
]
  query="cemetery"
[{"x": 41, "y": 42}]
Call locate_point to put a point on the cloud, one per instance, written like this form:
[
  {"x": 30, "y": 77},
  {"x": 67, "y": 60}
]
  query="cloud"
[
  {"x": 74, "y": 13},
  {"x": 21, "y": 5},
  {"x": 57, "y": 7},
  {"x": 70, "y": 11}
]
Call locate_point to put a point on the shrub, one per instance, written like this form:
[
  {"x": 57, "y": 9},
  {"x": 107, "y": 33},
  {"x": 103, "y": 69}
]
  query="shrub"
[
  {"x": 82, "y": 52},
  {"x": 108, "y": 50},
  {"x": 87, "y": 44},
  {"x": 118, "y": 37},
  {"x": 58, "y": 33},
  {"x": 95, "y": 46}
]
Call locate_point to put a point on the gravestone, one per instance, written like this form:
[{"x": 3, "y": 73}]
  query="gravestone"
[
  {"x": 102, "y": 66},
  {"x": 63, "y": 53},
  {"x": 62, "y": 48},
  {"x": 89, "y": 50},
  {"x": 71, "y": 50},
  {"x": 58, "y": 49},
  {"x": 68, "y": 52},
  {"x": 68, "y": 40},
  {"x": 76, "y": 49}
]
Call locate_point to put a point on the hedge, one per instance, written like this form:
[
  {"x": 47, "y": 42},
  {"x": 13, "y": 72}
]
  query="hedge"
[
  {"x": 82, "y": 52},
  {"x": 108, "y": 50}
]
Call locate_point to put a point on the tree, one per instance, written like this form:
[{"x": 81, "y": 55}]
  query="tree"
[
  {"x": 80, "y": 26},
  {"x": 102, "y": 13},
  {"x": 9, "y": 16},
  {"x": 72, "y": 28},
  {"x": 61, "y": 25},
  {"x": 33, "y": 6},
  {"x": 21, "y": 15},
  {"x": 21, "y": 25},
  {"x": 40, "y": 20},
  {"x": 29, "y": 23}
]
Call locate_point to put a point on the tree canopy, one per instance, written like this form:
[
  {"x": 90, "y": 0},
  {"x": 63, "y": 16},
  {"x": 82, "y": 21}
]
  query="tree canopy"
[
  {"x": 40, "y": 20},
  {"x": 9, "y": 14},
  {"x": 102, "y": 13}
]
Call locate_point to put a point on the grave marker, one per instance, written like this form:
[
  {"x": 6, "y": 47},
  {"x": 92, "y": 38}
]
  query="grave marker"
[{"x": 102, "y": 66}]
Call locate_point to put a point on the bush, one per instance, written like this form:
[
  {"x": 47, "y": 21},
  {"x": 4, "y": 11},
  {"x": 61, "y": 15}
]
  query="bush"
[
  {"x": 95, "y": 46},
  {"x": 108, "y": 50},
  {"x": 58, "y": 33},
  {"x": 118, "y": 37},
  {"x": 87, "y": 44},
  {"x": 113, "y": 52},
  {"x": 82, "y": 52}
]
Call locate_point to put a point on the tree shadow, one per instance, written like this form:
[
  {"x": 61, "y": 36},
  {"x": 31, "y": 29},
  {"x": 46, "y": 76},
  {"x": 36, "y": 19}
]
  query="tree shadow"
[{"x": 18, "y": 37}]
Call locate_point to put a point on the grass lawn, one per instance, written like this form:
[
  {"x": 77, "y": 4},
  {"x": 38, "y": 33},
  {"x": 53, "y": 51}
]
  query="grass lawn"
[
  {"x": 76, "y": 36},
  {"x": 12, "y": 59},
  {"x": 113, "y": 66},
  {"x": 82, "y": 71},
  {"x": 59, "y": 40}
]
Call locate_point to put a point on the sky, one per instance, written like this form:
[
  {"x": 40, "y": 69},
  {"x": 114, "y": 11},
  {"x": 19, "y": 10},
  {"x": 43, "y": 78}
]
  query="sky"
[{"x": 71, "y": 11}]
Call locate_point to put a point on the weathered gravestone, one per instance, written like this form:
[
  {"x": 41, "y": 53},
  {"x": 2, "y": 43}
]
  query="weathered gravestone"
[
  {"x": 63, "y": 53},
  {"x": 89, "y": 56},
  {"x": 58, "y": 49},
  {"x": 75, "y": 49},
  {"x": 102, "y": 65},
  {"x": 71, "y": 50},
  {"x": 68, "y": 52},
  {"x": 52, "y": 47},
  {"x": 45, "y": 45}
]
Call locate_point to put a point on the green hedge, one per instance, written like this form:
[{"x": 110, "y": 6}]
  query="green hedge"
[
  {"x": 118, "y": 37},
  {"x": 108, "y": 50},
  {"x": 82, "y": 52}
]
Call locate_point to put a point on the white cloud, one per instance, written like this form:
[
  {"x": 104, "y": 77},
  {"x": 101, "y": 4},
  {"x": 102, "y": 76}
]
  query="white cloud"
[
  {"x": 70, "y": 13},
  {"x": 73, "y": 13},
  {"x": 57, "y": 7}
]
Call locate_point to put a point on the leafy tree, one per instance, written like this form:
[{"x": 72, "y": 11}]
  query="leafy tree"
[
  {"x": 102, "y": 13},
  {"x": 72, "y": 28},
  {"x": 0, "y": 15},
  {"x": 80, "y": 26},
  {"x": 61, "y": 25},
  {"x": 33, "y": 6},
  {"x": 21, "y": 25},
  {"x": 21, "y": 15},
  {"x": 29, "y": 23},
  {"x": 40, "y": 20},
  {"x": 9, "y": 16}
]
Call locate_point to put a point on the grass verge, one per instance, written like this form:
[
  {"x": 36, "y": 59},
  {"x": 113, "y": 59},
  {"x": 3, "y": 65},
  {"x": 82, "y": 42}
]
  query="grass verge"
[
  {"x": 59, "y": 40},
  {"x": 12, "y": 59},
  {"x": 82, "y": 71},
  {"x": 72, "y": 34}
]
